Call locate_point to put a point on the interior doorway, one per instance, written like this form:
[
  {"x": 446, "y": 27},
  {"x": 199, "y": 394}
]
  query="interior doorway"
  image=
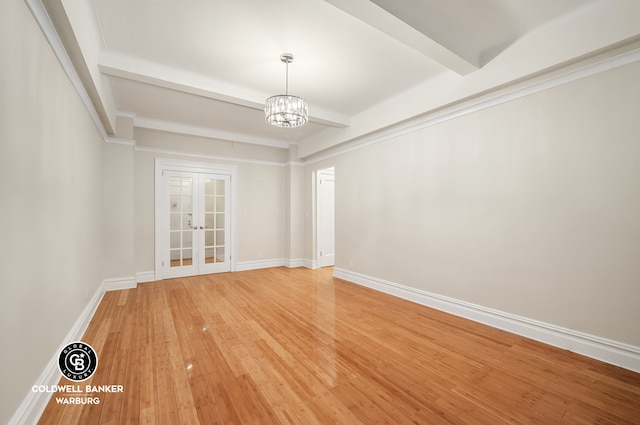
[
  {"x": 196, "y": 224},
  {"x": 325, "y": 216},
  {"x": 195, "y": 228}
]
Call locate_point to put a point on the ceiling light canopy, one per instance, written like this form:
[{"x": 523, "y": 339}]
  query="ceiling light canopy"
[{"x": 284, "y": 110}]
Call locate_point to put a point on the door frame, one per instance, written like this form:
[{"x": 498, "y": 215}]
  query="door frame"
[{"x": 168, "y": 164}]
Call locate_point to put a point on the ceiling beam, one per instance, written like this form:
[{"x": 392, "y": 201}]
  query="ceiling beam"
[
  {"x": 175, "y": 79},
  {"x": 72, "y": 36},
  {"x": 173, "y": 127},
  {"x": 457, "y": 60}
]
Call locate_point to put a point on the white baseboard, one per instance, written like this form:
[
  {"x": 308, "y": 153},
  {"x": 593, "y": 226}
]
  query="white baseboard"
[
  {"x": 613, "y": 352},
  {"x": 119, "y": 283},
  {"x": 275, "y": 262},
  {"x": 142, "y": 277},
  {"x": 310, "y": 264},
  {"x": 34, "y": 403},
  {"x": 259, "y": 264},
  {"x": 292, "y": 263}
]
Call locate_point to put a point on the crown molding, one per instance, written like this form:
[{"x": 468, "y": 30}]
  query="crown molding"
[
  {"x": 120, "y": 141},
  {"x": 43, "y": 20},
  {"x": 208, "y": 157}
]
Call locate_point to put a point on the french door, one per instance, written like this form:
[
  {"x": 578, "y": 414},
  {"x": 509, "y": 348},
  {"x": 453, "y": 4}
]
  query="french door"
[{"x": 196, "y": 223}]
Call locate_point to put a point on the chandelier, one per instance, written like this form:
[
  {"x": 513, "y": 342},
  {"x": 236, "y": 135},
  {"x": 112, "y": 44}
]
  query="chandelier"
[{"x": 284, "y": 110}]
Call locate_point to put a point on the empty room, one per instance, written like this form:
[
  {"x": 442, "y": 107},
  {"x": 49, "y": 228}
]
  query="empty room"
[{"x": 320, "y": 212}]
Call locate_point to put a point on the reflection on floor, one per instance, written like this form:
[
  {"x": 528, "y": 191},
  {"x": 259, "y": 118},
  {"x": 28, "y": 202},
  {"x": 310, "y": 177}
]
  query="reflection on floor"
[{"x": 298, "y": 346}]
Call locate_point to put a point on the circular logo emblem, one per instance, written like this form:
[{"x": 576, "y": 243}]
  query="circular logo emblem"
[{"x": 78, "y": 361}]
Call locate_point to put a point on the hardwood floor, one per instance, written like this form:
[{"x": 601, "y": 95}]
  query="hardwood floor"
[{"x": 296, "y": 346}]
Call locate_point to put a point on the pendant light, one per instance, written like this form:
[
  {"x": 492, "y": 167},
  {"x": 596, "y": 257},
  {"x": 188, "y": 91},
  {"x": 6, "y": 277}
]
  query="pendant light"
[{"x": 284, "y": 110}]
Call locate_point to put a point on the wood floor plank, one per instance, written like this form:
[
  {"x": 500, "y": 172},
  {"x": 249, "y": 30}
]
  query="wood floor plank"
[{"x": 297, "y": 346}]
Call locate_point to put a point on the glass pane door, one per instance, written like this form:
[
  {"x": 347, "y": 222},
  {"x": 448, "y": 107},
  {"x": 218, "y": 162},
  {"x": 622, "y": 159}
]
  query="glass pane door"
[
  {"x": 181, "y": 229},
  {"x": 215, "y": 217},
  {"x": 197, "y": 224}
]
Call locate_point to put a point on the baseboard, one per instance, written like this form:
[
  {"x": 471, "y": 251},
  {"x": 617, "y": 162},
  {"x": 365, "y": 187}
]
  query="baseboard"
[
  {"x": 120, "y": 283},
  {"x": 310, "y": 264},
  {"x": 609, "y": 351},
  {"x": 274, "y": 262},
  {"x": 142, "y": 277},
  {"x": 34, "y": 403},
  {"x": 292, "y": 263},
  {"x": 259, "y": 264}
]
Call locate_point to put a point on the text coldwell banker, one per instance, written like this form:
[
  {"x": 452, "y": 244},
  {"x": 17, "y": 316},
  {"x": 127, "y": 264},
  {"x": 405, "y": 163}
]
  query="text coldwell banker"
[{"x": 77, "y": 389}]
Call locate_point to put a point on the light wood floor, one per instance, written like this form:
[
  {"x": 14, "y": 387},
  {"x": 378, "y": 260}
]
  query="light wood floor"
[{"x": 296, "y": 346}]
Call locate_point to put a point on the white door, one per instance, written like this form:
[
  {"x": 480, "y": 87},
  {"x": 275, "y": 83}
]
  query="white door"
[
  {"x": 195, "y": 224},
  {"x": 213, "y": 224},
  {"x": 178, "y": 229},
  {"x": 326, "y": 217}
]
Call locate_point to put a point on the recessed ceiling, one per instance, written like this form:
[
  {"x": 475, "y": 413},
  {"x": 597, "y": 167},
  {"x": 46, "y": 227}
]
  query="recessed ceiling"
[{"x": 206, "y": 66}]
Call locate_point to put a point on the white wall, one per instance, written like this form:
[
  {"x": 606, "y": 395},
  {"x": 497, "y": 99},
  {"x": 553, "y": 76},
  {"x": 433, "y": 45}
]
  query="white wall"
[
  {"x": 118, "y": 204},
  {"x": 143, "y": 213},
  {"x": 261, "y": 212},
  {"x": 294, "y": 213},
  {"x": 51, "y": 197},
  {"x": 531, "y": 207}
]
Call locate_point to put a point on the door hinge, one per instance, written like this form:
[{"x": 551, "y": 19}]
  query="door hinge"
[{"x": 321, "y": 253}]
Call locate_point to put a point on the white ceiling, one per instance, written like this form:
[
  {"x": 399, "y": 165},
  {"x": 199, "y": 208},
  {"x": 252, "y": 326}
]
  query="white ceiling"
[{"x": 205, "y": 67}]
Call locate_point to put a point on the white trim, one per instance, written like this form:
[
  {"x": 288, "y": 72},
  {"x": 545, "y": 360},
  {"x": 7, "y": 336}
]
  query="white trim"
[
  {"x": 120, "y": 141},
  {"x": 142, "y": 277},
  {"x": 260, "y": 264},
  {"x": 310, "y": 264},
  {"x": 195, "y": 167},
  {"x": 496, "y": 97},
  {"x": 293, "y": 263},
  {"x": 48, "y": 29},
  {"x": 290, "y": 263},
  {"x": 613, "y": 352},
  {"x": 208, "y": 157},
  {"x": 120, "y": 283},
  {"x": 34, "y": 403}
]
